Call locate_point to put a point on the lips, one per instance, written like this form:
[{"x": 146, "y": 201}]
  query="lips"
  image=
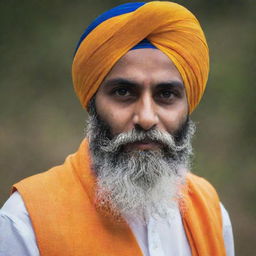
[{"x": 143, "y": 145}]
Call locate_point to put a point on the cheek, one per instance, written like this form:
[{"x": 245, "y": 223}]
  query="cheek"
[
  {"x": 117, "y": 118},
  {"x": 119, "y": 121},
  {"x": 172, "y": 119}
]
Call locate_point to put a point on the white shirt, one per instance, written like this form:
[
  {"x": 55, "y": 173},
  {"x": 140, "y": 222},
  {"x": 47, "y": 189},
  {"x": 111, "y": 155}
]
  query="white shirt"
[{"x": 17, "y": 237}]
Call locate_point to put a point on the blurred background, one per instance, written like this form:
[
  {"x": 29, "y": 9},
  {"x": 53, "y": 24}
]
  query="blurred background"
[{"x": 41, "y": 120}]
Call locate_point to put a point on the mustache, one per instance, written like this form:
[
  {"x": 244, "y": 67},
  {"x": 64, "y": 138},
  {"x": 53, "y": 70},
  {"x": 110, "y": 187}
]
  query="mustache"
[{"x": 154, "y": 135}]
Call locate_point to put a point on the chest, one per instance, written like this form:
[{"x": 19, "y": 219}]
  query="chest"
[{"x": 161, "y": 237}]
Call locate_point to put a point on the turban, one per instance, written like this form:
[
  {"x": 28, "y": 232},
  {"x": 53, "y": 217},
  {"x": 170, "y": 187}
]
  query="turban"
[{"x": 167, "y": 26}]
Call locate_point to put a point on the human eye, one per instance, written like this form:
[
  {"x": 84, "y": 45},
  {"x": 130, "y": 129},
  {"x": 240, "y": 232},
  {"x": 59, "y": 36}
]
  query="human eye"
[
  {"x": 121, "y": 92},
  {"x": 124, "y": 93},
  {"x": 165, "y": 96}
]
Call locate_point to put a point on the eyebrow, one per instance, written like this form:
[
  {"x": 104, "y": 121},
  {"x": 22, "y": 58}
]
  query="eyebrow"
[{"x": 129, "y": 82}]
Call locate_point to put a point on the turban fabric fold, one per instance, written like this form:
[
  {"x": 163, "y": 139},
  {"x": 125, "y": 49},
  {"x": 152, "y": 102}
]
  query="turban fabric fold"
[{"x": 166, "y": 26}]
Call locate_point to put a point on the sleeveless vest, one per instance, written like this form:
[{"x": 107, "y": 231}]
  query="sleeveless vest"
[{"x": 61, "y": 206}]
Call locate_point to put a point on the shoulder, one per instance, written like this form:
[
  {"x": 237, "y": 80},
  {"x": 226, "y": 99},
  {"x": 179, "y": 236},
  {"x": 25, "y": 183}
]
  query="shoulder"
[
  {"x": 70, "y": 172},
  {"x": 14, "y": 208},
  {"x": 227, "y": 231},
  {"x": 200, "y": 194},
  {"x": 17, "y": 236},
  {"x": 44, "y": 181},
  {"x": 197, "y": 180},
  {"x": 197, "y": 184},
  {"x": 14, "y": 211}
]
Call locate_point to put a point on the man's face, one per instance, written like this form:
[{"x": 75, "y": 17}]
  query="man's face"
[
  {"x": 143, "y": 90},
  {"x": 140, "y": 136}
]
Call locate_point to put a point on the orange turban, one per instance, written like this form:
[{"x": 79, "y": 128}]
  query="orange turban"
[{"x": 168, "y": 26}]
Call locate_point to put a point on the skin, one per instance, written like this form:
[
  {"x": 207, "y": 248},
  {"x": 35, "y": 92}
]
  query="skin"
[{"x": 143, "y": 90}]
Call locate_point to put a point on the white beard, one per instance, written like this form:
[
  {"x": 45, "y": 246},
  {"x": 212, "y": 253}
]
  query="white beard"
[{"x": 141, "y": 184}]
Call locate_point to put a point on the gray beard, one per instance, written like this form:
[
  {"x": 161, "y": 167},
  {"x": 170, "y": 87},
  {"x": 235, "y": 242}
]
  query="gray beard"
[{"x": 140, "y": 184}]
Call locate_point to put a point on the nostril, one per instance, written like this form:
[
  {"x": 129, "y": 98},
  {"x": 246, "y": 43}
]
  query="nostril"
[{"x": 139, "y": 128}]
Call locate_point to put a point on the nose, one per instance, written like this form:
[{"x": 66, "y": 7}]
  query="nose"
[{"x": 145, "y": 115}]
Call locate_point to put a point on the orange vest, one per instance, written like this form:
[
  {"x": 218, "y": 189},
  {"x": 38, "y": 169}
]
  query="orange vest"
[{"x": 61, "y": 206}]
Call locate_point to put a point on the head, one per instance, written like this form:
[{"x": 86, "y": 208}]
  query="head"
[
  {"x": 139, "y": 128},
  {"x": 140, "y": 133}
]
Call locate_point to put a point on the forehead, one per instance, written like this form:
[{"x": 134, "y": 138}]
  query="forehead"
[{"x": 145, "y": 66}]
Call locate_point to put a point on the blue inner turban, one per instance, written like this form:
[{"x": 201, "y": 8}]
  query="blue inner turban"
[{"x": 116, "y": 11}]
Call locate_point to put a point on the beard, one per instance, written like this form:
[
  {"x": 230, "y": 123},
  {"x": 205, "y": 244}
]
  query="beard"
[{"x": 139, "y": 184}]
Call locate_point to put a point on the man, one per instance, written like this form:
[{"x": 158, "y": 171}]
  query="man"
[{"x": 140, "y": 69}]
